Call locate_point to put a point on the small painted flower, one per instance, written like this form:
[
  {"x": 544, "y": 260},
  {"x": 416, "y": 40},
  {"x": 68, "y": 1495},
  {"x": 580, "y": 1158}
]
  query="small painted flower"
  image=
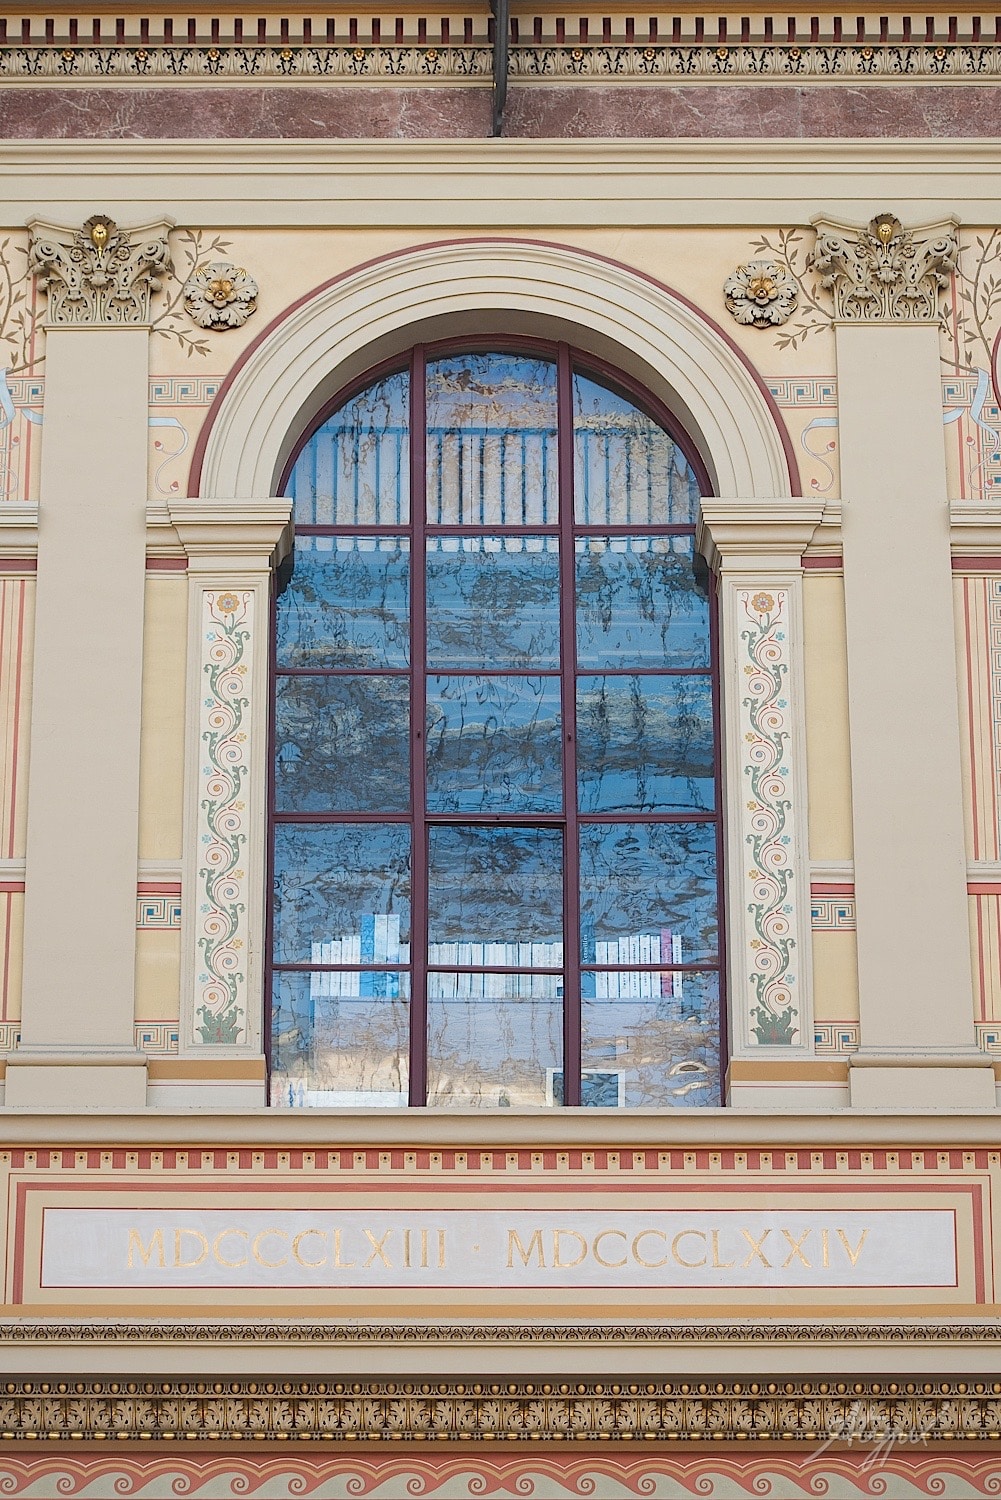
[
  {"x": 763, "y": 603},
  {"x": 227, "y": 603}
]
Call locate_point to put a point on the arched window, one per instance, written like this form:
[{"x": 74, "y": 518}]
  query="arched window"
[{"x": 495, "y": 834}]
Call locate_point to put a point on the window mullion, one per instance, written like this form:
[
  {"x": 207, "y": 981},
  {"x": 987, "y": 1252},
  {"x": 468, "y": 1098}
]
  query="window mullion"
[
  {"x": 568, "y": 648},
  {"x": 418, "y": 721}
]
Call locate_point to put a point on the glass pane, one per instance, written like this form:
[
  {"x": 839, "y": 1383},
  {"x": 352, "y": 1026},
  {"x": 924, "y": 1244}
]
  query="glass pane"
[
  {"x": 497, "y": 1055},
  {"x": 342, "y": 893},
  {"x": 491, "y": 441},
  {"x": 501, "y": 888},
  {"x": 493, "y": 602},
  {"x": 493, "y": 744},
  {"x": 355, "y": 469},
  {"x": 347, "y": 604},
  {"x": 343, "y": 744},
  {"x": 645, "y": 744},
  {"x": 336, "y": 1052},
  {"x": 640, "y": 603},
  {"x": 652, "y": 1054},
  {"x": 668, "y": 985},
  {"x": 627, "y": 470},
  {"x": 648, "y": 888}
]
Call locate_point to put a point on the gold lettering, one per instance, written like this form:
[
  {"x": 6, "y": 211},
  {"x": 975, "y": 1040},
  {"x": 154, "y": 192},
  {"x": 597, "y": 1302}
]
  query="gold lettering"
[
  {"x": 145, "y": 1252},
  {"x": 651, "y": 1265},
  {"x": 441, "y": 1249},
  {"x": 304, "y": 1235},
  {"x": 406, "y": 1249},
  {"x": 535, "y": 1247},
  {"x": 853, "y": 1255},
  {"x": 695, "y": 1234},
  {"x": 195, "y": 1234},
  {"x": 795, "y": 1248},
  {"x": 217, "y": 1248},
  {"x": 342, "y": 1265},
  {"x": 720, "y": 1265},
  {"x": 377, "y": 1249},
  {"x": 756, "y": 1249},
  {"x": 566, "y": 1265},
  {"x": 424, "y": 1249},
  {"x": 605, "y": 1234},
  {"x": 255, "y": 1248},
  {"x": 825, "y": 1241}
]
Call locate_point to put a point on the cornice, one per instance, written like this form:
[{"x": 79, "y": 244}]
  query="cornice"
[
  {"x": 212, "y": 531},
  {"x": 756, "y": 533},
  {"x": 446, "y": 1411},
  {"x": 18, "y": 530},
  {"x": 534, "y": 1130},
  {"x": 975, "y": 529}
]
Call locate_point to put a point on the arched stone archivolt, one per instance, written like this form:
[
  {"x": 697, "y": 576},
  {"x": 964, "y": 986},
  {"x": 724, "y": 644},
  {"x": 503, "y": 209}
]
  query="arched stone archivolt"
[{"x": 482, "y": 286}]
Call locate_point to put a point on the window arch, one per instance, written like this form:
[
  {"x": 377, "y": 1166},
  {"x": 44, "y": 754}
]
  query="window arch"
[{"x": 496, "y": 829}]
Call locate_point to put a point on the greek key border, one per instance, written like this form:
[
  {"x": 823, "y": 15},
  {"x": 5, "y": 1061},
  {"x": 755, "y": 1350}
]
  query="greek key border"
[{"x": 450, "y": 1411}]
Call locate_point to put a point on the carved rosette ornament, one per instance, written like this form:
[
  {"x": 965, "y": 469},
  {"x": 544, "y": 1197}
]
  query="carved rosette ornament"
[
  {"x": 761, "y": 294},
  {"x": 220, "y": 295},
  {"x": 882, "y": 272},
  {"x": 99, "y": 275}
]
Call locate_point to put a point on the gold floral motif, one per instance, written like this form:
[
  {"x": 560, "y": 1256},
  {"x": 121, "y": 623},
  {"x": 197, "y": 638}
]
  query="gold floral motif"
[
  {"x": 761, "y": 294},
  {"x": 220, "y": 295}
]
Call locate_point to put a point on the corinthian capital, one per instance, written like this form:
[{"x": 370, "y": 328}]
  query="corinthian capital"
[
  {"x": 882, "y": 272},
  {"x": 99, "y": 275}
]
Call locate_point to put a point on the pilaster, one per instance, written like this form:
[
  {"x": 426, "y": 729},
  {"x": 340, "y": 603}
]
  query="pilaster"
[
  {"x": 755, "y": 548},
  {"x": 232, "y": 547},
  {"x": 917, "y": 1042},
  {"x": 82, "y": 831}
]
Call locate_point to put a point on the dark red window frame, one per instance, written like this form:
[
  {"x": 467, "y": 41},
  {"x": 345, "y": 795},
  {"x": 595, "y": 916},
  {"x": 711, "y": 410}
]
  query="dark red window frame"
[{"x": 568, "y": 360}]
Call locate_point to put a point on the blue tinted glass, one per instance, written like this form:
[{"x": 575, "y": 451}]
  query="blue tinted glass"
[
  {"x": 655, "y": 1053},
  {"x": 502, "y": 1054},
  {"x": 648, "y": 893},
  {"x": 491, "y": 441},
  {"x": 495, "y": 897},
  {"x": 347, "y": 604},
  {"x": 627, "y": 470},
  {"x": 493, "y": 744},
  {"x": 640, "y": 603},
  {"x": 645, "y": 744},
  {"x": 493, "y": 602},
  {"x": 329, "y": 1049},
  {"x": 342, "y": 893},
  {"x": 355, "y": 469},
  {"x": 343, "y": 744}
]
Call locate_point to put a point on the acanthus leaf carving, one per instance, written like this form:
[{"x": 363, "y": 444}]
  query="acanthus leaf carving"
[
  {"x": 882, "y": 272},
  {"x": 99, "y": 275}
]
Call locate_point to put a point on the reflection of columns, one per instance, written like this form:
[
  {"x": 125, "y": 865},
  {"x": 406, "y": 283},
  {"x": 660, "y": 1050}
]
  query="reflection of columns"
[
  {"x": 232, "y": 547},
  {"x": 77, "y": 1041},
  {"x": 917, "y": 1043},
  {"x": 755, "y": 547}
]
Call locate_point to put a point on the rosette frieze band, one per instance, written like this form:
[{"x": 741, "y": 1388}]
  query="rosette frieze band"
[
  {"x": 99, "y": 275},
  {"x": 881, "y": 272}
]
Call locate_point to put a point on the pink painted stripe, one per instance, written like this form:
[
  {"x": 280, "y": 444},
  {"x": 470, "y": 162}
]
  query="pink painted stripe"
[
  {"x": 983, "y": 887},
  {"x": 12, "y": 887},
  {"x": 158, "y": 888},
  {"x": 987, "y": 564},
  {"x": 18, "y": 564},
  {"x": 831, "y": 888},
  {"x": 832, "y": 562},
  {"x": 166, "y": 564}
]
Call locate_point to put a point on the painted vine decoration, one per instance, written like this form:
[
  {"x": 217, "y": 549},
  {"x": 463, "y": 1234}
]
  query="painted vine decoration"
[
  {"x": 792, "y": 256},
  {"x": 17, "y": 315},
  {"x": 226, "y": 769},
  {"x": 774, "y": 1013},
  {"x": 190, "y": 248}
]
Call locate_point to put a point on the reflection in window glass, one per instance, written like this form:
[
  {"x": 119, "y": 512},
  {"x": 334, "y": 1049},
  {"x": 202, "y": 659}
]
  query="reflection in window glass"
[
  {"x": 355, "y": 469},
  {"x": 344, "y": 744},
  {"x": 347, "y": 604},
  {"x": 493, "y": 744},
  {"x": 627, "y": 470},
  {"x": 493, "y": 602},
  {"x": 501, "y": 690},
  {"x": 491, "y": 441},
  {"x": 640, "y": 603},
  {"x": 645, "y": 744}
]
